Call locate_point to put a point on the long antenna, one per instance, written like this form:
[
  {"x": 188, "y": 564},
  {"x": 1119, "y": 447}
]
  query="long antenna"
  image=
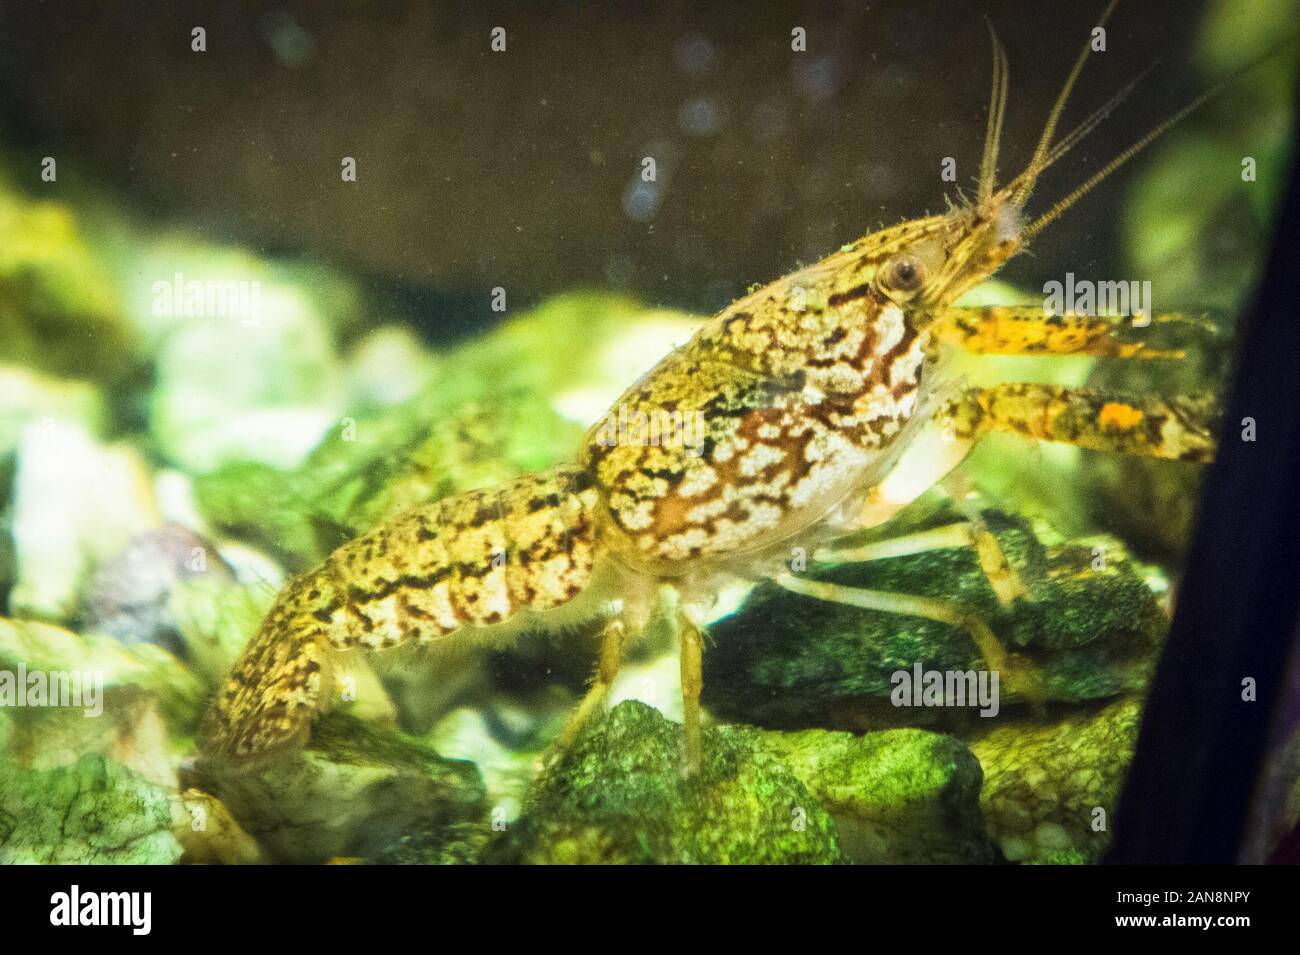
[
  {"x": 1160, "y": 129},
  {"x": 997, "y": 112},
  {"x": 1035, "y": 166}
]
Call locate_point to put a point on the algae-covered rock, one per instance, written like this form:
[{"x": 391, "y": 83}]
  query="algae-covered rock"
[
  {"x": 619, "y": 796},
  {"x": 457, "y": 844},
  {"x": 377, "y": 463},
  {"x": 125, "y": 725},
  {"x": 44, "y": 648},
  {"x": 387, "y": 367},
  {"x": 1050, "y": 790},
  {"x": 355, "y": 791},
  {"x": 265, "y": 389},
  {"x": 27, "y": 396},
  {"x": 897, "y": 796},
  {"x": 59, "y": 306},
  {"x": 95, "y": 811},
  {"x": 214, "y": 618},
  {"x": 1089, "y": 630}
]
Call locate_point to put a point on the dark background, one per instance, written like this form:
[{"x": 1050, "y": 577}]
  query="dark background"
[{"x": 479, "y": 169}]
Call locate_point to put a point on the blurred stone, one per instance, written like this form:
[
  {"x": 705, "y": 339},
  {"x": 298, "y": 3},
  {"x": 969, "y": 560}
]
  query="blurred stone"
[
  {"x": 128, "y": 595},
  {"x": 27, "y": 396},
  {"x": 125, "y": 725},
  {"x": 174, "y": 278},
  {"x": 263, "y": 390},
  {"x": 44, "y": 647},
  {"x": 355, "y": 791},
  {"x": 213, "y": 619},
  {"x": 208, "y": 833},
  {"x": 76, "y": 504},
  {"x": 507, "y": 761},
  {"x": 388, "y": 366}
]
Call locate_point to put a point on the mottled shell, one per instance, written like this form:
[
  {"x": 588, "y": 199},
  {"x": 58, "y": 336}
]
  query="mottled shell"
[{"x": 801, "y": 387}]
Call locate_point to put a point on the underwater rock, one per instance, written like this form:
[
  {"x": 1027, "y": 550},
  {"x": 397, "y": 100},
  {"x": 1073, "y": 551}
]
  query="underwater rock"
[
  {"x": 618, "y": 796},
  {"x": 178, "y": 278},
  {"x": 44, "y": 648},
  {"x": 1048, "y": 787},
  {"x": 460, "y": 843},
  {"x": 127, "y": 597},
  {"x": 379, "y": 464},
  {"x": 507, "y": 740},
  {"x": 1150, "y": 504},
  {"x": 95, "y": 811},
  {"x": 897, "y": 796},
  {"x": 59, "y": 307},
  {"x": 270, "y": 509},
  {"x": 76, "y": 503},
  {"x": 788, "y": 661},
  {"x": 27, "y": 397},
  {"x": 355, "y": 791},
  {"x": 388, "y": 366},
  {"x": 233, "y": 389},
  {"x": 208, "y": 833},
  {"x": 124, "y": 725}
]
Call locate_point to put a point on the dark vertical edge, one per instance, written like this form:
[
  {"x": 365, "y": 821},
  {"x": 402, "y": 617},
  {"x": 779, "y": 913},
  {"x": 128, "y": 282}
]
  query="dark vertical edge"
[{"x": 1201, "y": 747}]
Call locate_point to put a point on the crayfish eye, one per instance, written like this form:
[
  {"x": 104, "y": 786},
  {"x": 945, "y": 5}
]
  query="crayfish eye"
[{"x": 904, "y": 275}]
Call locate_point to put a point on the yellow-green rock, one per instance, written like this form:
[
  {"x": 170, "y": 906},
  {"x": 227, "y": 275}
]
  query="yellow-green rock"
[
  {"x": 95, "y": 811},
  {"x": 619, "y": 796},
  {"x": 1050, "y": 790},
  {"x": 897, "y": 796}
]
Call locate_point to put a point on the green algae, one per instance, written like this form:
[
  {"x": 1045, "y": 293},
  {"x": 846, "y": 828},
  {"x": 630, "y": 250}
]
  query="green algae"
[
  {"x": 44, "y": 647},
  {"x": 95, "y": 811},
  {"x": 1090, "y": 629},
  {"x": 897, "y": 796},
  {"x": 356, "y": 791},
  {"x": 619, "y": 796},
  {"x": 1050, "y": 790}
]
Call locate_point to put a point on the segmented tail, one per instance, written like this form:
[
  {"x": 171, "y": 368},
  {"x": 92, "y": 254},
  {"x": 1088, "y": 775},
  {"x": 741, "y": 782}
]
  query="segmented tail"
[{"x": 467, "y": 562}]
